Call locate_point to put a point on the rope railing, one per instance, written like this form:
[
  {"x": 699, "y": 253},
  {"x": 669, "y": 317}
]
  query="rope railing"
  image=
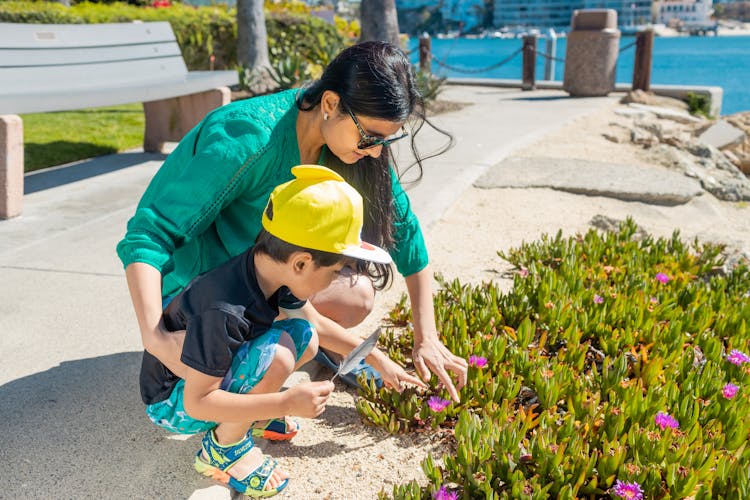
[
  {"x": 547, "y": 56},
  {"x": 476, "y": 70},
  {"x": 623, "y": 49}
]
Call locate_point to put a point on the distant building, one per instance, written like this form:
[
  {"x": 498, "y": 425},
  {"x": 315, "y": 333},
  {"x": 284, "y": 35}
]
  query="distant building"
[
  {"x": 534, "y": 13},
  {"x": 689, "y": 12},
  {"x": 467, "y": 13},
  {"x": 557, "y": 13},
  {"x": 629, "y": 13}
]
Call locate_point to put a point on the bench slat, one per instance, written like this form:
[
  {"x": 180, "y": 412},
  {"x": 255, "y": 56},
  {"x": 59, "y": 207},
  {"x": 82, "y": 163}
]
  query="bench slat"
[
  {"x": 66, "y": 98},
  {"x": 12, "y": 58},
  {"x": 18, "y": 36}
]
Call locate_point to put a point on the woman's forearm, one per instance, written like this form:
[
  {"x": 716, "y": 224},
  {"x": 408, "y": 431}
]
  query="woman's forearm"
[
  {"x": 144, "y": 283},
  {"x": 419, "y": 286}
]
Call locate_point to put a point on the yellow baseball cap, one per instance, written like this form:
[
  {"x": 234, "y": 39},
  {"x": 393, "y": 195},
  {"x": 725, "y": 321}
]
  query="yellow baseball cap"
[{"x": 320, "y": 211}]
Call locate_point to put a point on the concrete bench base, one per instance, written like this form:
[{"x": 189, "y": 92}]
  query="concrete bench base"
[
  {"x": 168, "y": 120},
  {"x": 11, "y": 166}
]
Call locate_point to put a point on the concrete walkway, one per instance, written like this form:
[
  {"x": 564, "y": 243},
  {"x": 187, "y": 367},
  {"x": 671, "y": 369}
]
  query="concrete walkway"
[{"x": 72, "y": 421}]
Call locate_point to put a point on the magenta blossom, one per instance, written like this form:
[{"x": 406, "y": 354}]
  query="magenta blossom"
[
  {"x": 729, "y": 391},
  {"x": 665, "y": 420},
  {"x": 737, "y": 357},
  {"x": 438, "y": 404},
  {"x": 598, "y": 299},
  {"x": 662, "y": 278},
  {"x": 444, "y": 494},
  {"x": 478, "y": 361},
  {"x": 630, "y": 491}
]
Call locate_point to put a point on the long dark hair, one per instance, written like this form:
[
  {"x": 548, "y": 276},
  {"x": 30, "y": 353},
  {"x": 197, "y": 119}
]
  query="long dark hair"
[{"x": 374, "y": 79}]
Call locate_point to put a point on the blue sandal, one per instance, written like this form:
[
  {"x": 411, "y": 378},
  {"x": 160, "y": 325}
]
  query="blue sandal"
[
  {"x": 277, "y": 429},
  {"x": 222, "y": 458},
  {"x": 350, "y": 378}
]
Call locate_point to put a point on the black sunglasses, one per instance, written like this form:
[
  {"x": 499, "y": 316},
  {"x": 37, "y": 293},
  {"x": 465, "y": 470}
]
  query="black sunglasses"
[{"x": 370, "y": 141}]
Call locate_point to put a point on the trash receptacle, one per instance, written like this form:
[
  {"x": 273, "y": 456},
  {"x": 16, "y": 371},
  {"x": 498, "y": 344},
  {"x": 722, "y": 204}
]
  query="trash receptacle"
[{"x": 591, "y": 53}]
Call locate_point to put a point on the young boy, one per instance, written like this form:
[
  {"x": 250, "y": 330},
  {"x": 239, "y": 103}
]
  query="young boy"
[{"x": 238, "y": 356}]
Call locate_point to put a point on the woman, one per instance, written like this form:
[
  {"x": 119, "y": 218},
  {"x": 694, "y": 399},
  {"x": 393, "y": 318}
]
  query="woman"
[{"x": 204, "y": 205}]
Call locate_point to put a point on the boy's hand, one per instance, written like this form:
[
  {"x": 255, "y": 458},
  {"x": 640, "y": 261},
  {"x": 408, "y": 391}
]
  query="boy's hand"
[
  {"x": 308, "y": 399},
  {"x": 394, "y": 376}
]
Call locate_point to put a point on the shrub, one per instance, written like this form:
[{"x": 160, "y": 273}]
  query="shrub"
[
  {"x": 201, "y": 32},
  {"x": 699, "y": 104},
  {"x": 610, "y": 360}
]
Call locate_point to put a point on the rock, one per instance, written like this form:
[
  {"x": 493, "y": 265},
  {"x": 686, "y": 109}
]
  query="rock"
[
  {"x": 721, "y": 134},
  {"x": 611, "y": 138},
  {"x": 709, "y": 166},
  {"x": 651, "y": 99},
  {"x": 610, "y": 224},
  {"x": 630, "y": 113},
  {"x": 670, "y": 114}
]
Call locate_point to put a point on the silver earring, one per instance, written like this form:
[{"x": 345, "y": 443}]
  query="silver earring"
[{"x": 325, "y": 117}]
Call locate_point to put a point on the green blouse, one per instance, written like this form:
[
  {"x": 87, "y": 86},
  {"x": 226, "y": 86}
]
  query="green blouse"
[{"x": 204, "y": 205}]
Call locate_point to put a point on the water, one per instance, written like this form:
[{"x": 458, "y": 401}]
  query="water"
[{"x": 719, "y": 61}]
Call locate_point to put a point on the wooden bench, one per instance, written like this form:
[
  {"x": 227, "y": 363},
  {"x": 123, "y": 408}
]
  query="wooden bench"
[{"x": 46, "y": 67}]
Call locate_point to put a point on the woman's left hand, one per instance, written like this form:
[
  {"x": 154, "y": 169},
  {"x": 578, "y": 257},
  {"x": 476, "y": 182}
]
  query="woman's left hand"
[{"x": 431, "y": 356}]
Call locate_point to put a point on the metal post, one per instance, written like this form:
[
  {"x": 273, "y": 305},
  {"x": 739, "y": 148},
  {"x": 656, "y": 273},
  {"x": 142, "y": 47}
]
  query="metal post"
[
  {"x": 425, "y": 53},
  {"x": 529, "y": 63},
  {"x": 550, "y": 47},
  {"x": 644, "y": 46}
]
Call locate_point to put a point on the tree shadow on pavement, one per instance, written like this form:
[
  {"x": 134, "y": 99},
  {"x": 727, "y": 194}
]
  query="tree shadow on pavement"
[
  {"x": 85, "y": 169},
  {"x": 79, "y": 430}
]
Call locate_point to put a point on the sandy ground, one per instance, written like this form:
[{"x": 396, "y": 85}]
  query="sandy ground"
[{"x": 336, "y": 456}]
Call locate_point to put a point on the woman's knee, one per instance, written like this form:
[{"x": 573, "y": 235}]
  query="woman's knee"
[{"x": 347, "y": 302}]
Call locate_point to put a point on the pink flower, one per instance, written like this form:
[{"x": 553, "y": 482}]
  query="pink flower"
[
  {"x": 737, "y": 357},
  {"x": 438, "y": 404},
  {"x": 665, "y": 420},
  {"x": 444, "y": 494},
  {"x": 478, "y": 361},
  {"x": 598, "y": 299},
  {"x": 662, "y": 278},
  {"x": 729, "y": 391},
  {"x": 654, "y": 300},
  {"x": 630, "y": 491},
  {"x": 523, "y": 272}
]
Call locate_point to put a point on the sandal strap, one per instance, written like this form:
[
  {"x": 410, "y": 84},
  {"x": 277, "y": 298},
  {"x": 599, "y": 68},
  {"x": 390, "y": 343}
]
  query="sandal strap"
[
  {"x": 277, "y": 425},
  {"x": 222, "y": 457}
]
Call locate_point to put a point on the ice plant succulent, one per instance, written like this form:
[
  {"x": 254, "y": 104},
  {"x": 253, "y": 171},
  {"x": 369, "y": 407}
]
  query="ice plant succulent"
[
  {"x": 630, "y": 491},
  {"x": 729, "y": 391},
  {"x": 737, "y": 357},
  {"x": 598, "y": 299},
  {"x": 438, "y": 404},
  {"x": 477, "y": 361},
  {"x": 665, "y": 420},
  {"x": 662, "y": 278},
  {"x": 444, "y": 494}
]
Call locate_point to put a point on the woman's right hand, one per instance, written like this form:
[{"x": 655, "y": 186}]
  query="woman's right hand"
[{"x": 308, "y": 399}]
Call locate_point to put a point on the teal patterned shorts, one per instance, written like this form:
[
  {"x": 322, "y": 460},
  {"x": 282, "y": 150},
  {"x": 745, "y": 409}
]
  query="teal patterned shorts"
[{"x": 249, "y": 366}]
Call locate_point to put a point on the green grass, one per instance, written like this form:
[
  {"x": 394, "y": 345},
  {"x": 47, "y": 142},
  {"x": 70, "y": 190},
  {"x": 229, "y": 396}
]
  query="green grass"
[{"x": 62, "y": 137}]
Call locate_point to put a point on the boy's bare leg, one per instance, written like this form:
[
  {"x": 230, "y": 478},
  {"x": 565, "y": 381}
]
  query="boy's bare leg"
[{"x": 227, "y": 433}]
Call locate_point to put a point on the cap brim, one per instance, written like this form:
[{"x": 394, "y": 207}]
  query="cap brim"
[{"x": 366, "y": 251}]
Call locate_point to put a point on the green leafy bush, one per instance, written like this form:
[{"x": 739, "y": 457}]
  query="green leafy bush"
[
  {"x": 201, "y": 32},
  {"x": 699, "y": 104},
  {"x": 613, "y": 361},
  {"x": 429, "y": 85}
]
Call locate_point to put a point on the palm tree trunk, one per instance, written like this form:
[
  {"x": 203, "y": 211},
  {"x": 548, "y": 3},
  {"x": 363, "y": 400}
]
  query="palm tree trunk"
[
  {"x": 252, "y": 44},
  {"x": 379, "y": 21}
]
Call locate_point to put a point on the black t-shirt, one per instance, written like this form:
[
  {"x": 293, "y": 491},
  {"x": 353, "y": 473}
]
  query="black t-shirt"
[{"x": 220, "y": 310}]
